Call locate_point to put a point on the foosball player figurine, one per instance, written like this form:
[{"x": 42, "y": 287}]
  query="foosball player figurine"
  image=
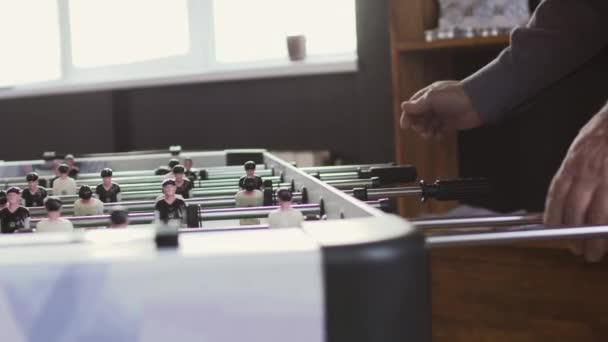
[
  {"x": 250, "y": 173},
  {"x": 74, "y": 170},
  {"x": 285, "y": 216},
  {"x": 33, "y": 195},
  {"x": 107, "y": 191},
  {"x": 87, "y": 205},
  {"x": 54, "y": 223},
  {"x": 3, "y": 199},
  {"x": 190, "y": 172},
  {"x": 64, "y": 185},
  {"x": 119, "y": 217},
  {"x": 14, "y": 217},
  {"x": 170, "y": 208},
  {"x": 184, "y": 185},
  {"x": 249, "y": 197},
  {"x": 55, "y": 177},
  {"x": 165, "y": 171}
]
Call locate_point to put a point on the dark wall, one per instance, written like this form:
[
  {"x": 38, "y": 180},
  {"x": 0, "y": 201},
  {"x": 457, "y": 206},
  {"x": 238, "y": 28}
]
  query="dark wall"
[
  {"x": 349, "y": 114},
  {"x": 76, "y": 123}
]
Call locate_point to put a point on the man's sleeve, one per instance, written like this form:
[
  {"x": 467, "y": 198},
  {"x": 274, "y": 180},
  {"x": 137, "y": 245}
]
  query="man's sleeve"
[{"x": 561, "y": 36}]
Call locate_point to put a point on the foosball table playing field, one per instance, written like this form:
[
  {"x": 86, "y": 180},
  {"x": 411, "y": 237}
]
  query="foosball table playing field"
[{"x": 234, "y": 245}]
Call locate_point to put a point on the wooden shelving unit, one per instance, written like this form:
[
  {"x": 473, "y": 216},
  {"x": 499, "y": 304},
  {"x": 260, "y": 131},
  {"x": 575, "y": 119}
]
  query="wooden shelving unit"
[
  {"x": 491, "y": 42},
  {"x": 415, "y": 64}
]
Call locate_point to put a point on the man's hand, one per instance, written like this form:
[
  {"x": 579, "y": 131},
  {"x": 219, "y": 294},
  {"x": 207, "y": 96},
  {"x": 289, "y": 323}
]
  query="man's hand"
[
  {"x": 579, "y": 191},
  {"x": 441, "y": 107}
]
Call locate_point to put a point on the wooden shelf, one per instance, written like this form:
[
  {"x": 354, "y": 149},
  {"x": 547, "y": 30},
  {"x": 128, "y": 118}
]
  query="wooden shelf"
[{"x": 458, "y": 43}]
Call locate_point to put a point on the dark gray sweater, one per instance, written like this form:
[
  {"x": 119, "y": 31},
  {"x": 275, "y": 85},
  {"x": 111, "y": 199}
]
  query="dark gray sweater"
[{"x": 560, "y": 37}]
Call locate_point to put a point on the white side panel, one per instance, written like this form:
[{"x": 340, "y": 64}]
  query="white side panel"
[{"x": 247, "y": 286}]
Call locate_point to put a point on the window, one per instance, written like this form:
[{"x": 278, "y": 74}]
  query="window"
[
  {"x": 114, "y": 43},
  {"x": 29, "y": 37},
  {"x": 112, "y": 32},
  {"x": 255, "y": 30}
]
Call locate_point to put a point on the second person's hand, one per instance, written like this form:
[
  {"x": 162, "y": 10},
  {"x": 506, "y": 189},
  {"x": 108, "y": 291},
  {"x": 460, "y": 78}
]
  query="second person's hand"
[{"x": 439, "y": 108}]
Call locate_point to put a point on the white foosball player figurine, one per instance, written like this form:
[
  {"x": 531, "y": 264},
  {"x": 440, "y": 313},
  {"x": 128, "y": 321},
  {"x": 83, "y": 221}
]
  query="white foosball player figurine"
[
  {"x": 190, "y": 171},
  {"x": 285, "y": 216},
  {"x": 87, "y": 205},
  {"x": 74, "y": 170},
  {"x": 249, "y": 197},
  {"x": 64, "y": 185},
  {"x": 54, "y": 223}
]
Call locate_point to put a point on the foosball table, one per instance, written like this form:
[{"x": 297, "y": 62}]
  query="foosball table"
[{"x": 352, "y": 272}]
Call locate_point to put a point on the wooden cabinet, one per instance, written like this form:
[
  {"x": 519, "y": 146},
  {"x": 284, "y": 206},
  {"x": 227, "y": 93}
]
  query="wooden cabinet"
[{"x": 415, "y": 64}]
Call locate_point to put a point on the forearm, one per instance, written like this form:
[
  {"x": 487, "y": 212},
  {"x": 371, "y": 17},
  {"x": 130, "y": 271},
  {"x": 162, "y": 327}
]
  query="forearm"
[{"x": 561, "y": 36}]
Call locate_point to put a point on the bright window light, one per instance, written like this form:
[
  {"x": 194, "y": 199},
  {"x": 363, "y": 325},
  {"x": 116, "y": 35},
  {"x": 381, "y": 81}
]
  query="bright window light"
[
  {"x": 248, "y": 30},
  {"x": 113, "y": 32},
  {"x": 29, "y": 41}
]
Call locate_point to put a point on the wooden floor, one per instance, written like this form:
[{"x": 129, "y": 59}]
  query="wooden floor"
[{"x": 517, "y": 294}]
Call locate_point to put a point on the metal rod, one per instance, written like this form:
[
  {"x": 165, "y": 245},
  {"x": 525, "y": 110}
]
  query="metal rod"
[
  {"x": 205, "y": 214},
  {"x": 153, "y": 194},
  {"x": 151, "y": 178},
  {"x": 477, "y": 221},
  {"x": 212, "y": 171},
  {"x": 197, "y": 184},
  {"x": 379, "y": 193},
  {"x": 341, "y": 168},
  {"x": 352, "y": 183},
  {"x": 216, "y": 197},
  {"x": 477, "y": 239},
  {"x": 217, "y": 170},
  {"x": 205, "y": 202}
]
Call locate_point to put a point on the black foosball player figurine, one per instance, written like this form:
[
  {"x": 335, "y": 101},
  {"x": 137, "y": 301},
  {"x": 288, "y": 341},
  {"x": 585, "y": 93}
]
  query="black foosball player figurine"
[
  {"x": 14, "y": 217},
  {"x": 166, "y": 171},
  {"x": 249, "y": 197},
  {"x": 87, "y": 205},
  {"x": 190, "y": 172},
  {"x": 3, "y": 199},
  {"x": 33, "y": 195},
  {"x": 54, "y": 223},
  {"x": 286, "y": 216},
  {"x": 74, "y": 170},
  {"x": 107, "y": 191},
  {"x": 170, "y": 209},
  {"x": 184, "y": 185},
  {"x": 250, "y": 173},
  {"x": 64, "y": 185},
  {"x": 119, "y": 217}
]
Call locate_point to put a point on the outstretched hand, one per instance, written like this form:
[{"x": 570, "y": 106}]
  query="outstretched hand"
[{"x": 579, "y": 191}]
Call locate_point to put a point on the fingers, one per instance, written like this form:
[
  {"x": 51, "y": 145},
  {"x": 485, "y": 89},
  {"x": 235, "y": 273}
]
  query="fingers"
[
  {"x": 421, "y": 92},
  {"x": 575, "y": 209},
  {"x": 597, "y": 214},
  {"x": 577, "y": 202},
  {"x": 595, "y": 250},
  {"x": 554, "y": 206},
  {"x": 413, "y": 113}
]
